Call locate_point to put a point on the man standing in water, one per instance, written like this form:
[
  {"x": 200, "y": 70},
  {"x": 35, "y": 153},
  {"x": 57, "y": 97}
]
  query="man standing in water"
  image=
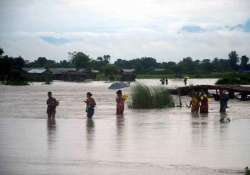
[
  {"x": 166, "y": 80},
  {"x": 185, "y": 81},
  {"x": 52, "y": 103},
  {"x": 223, "y": 101},
  {"x": 90, "y": 105}
]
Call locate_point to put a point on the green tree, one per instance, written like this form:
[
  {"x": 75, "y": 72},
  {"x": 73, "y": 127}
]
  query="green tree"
[
  {"x": 80, "y": 59},
  {"x": 106, "y": 58},
  {"x": 233, "y": 60},
  {"x": 187, "y": 65},
  {"x": 64, "y": 63},
  {"x": 100, "y": 59},
  {"x": 205, "y": 65},
  {"x": 110, "y": 71},
  {"x": 19, "y": 62},
  {"x": 243, "y": 61},
  {"x": 41, "y": 61},
  {"x": 1, "y": 51}
]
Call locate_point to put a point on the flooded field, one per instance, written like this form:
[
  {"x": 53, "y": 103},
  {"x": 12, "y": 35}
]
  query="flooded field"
[{"x": 166, "y": 141}]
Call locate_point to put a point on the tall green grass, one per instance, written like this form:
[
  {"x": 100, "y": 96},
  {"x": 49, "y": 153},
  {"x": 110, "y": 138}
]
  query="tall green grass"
[{"x": 145, "y": 97}]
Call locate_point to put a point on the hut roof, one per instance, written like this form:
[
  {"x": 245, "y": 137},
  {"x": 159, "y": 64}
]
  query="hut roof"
[
  {"x": 37, "y": 70},
  {"x": 61, "y": 70},
  {"x": 159, "y": 69},
  {"x": 26, "y": 69},
  {"x": 128, "y": 70},
  {"x": 94, "y": 71},
  {"x": 83, "y": 70}
]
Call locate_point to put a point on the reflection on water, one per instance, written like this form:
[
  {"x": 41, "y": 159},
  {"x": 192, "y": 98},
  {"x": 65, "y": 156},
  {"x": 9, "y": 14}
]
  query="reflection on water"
[
  {"x": 90, "y": 127},
  {"x": 165, "y": 141},
  {"x": 224, "y": 118},
  {"x": 199, "y": 131},
  {"x": 51, "y": 133},
  {"x": 120, "y": 122}
]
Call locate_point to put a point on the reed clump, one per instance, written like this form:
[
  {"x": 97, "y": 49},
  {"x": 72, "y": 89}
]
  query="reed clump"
[{"x": 145, "y": 97}]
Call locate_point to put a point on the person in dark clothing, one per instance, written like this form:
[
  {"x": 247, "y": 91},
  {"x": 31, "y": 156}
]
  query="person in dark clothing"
[
  {"x": 166, "y": 80},
  {"x": 185, "y": 80},
  {"x": 52, "y": 103},
  {"x": 203, "y": 103},
  {"x": 223, "y": 101},
  {"x": 90, "y": 105},
  {"x": 162, "y": 81}
]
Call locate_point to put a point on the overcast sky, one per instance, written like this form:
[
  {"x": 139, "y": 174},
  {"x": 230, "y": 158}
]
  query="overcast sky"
[{"x": 167, "y": 30}]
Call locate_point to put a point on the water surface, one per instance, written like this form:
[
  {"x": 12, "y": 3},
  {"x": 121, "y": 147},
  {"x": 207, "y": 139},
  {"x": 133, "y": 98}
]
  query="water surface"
[{"x": 167, "y": 141}]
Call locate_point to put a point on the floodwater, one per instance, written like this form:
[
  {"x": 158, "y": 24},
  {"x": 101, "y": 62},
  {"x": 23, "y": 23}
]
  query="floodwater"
[{"x": 167, "y": 141}]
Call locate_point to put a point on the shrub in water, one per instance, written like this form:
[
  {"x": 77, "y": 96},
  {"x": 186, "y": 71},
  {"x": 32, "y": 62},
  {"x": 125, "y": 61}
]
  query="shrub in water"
[
  {"x": 235, "y": 78},
  {"x": 145, "y": 97}
]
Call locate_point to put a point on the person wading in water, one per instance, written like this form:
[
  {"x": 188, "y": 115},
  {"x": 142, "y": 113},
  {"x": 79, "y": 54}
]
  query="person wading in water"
[
  {"x": 119, "y": 103},
  {"x": 52, "y": 103},
  {"x": 90, "y": 105}
]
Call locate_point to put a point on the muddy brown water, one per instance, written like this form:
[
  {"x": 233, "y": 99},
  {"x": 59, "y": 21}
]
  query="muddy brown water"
[{"x": 166, "y": 141}]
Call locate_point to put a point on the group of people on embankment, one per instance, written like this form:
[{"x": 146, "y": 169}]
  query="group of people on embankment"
[
  {"x": 199, "y": 101},
  {"x": 52, "y": 103}
]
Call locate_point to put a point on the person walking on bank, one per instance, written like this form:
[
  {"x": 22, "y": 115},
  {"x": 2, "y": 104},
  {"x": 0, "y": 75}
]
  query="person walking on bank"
[
  {"x": 52, "y": 103},
  {"x": 90, "y": 105}
]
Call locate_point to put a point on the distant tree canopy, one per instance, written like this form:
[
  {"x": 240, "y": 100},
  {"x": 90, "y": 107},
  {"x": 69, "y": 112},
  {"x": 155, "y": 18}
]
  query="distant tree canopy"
[
  {"x": 100, "y": 62},
  {"x": 80, "y": 59},
  {"x": 233, "y": 60},
  {"x": 110, "y": 71},
  {"x": 42, "y": 62},
  {"x": 144, "y": 65},
  {"x": 1, "y": 51},
  {"x": 244, "y": 61},
  {"x": 11, "y": 68}
]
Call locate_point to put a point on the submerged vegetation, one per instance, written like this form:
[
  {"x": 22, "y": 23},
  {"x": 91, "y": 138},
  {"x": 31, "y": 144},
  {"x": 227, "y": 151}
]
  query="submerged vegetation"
[
  {"x": 145, "y": 97},
  {"x": 235, "y": 78}
]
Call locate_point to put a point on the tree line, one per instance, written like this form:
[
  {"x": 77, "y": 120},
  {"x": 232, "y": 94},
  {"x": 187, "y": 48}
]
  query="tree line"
[{"x": 11, "y": 66}]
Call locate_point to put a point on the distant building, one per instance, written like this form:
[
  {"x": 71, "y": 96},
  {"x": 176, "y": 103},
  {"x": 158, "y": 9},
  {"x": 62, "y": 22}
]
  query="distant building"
[
  {"x": 64, "y": 74},
  {"x": 127, "y": 75},
  {"x": 37, "y": 71},
  {"x": 59, "y": 73},
  {"x": 159, "y": 70},
  {"x": 37, "y": 74},
  {"x": 71, "y": 74}
]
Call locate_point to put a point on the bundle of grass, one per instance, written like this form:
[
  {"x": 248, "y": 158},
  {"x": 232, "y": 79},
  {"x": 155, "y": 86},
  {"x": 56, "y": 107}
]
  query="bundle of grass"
[{"x": 144, "y": 97}]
